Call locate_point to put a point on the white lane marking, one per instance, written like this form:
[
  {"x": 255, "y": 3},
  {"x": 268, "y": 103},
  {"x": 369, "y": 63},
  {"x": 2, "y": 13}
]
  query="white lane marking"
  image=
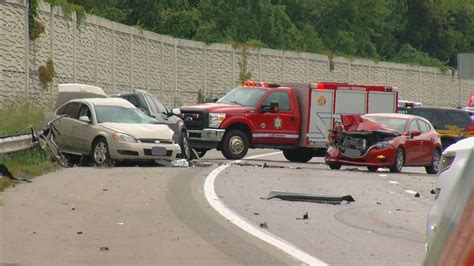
[
  {"x": 236, "y": 219},
  {"x": 393, "y": 182},
  {"x": 383, "y": 175}
]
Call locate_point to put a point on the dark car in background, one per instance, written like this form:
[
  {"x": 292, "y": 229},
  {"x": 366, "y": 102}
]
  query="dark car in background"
[
  {"x": 152, "y": 107},
  {"x": 451, "y": 124}
]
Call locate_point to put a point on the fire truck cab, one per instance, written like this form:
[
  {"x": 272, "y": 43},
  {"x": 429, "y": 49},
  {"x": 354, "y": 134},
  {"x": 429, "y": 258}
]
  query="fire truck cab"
[{"x": 293, "y": 117}]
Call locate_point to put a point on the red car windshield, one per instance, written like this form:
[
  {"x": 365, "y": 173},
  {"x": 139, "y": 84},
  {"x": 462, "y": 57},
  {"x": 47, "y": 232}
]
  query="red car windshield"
[{"x": 397, "y": 124}]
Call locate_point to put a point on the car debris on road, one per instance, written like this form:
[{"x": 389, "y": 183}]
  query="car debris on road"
[{"x": 290, "y": 196}]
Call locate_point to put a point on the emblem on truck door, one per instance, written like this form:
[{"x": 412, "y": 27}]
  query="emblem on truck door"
[
  {"x": 321, "y": 101},
  {"x": 277, "y": 123}
]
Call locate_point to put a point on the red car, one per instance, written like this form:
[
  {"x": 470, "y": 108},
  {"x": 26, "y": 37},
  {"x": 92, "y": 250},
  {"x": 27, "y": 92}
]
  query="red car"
[{"x": 384, "y": 140}]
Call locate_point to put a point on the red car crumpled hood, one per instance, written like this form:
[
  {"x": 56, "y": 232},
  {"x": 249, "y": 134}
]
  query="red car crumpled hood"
[{"x": 353, "y": 123}]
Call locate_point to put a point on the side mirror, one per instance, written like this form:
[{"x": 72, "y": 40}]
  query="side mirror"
[
  {"x": 84, "y": 119},
  {"x": 415, "y": 133},
  {"x": 176, "y": 111}
]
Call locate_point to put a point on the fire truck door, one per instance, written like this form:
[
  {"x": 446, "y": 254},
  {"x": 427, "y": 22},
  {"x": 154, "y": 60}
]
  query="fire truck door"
[
  {"x": 321, "y": 116},
  {"x": 277, "y": 128}
]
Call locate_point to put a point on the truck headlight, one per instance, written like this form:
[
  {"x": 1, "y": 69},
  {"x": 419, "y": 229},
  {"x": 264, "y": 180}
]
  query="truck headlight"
[
  {"x": 123, "y": 137},
  {"x": 384, "y": 144},
  {"x": 215, "y": 119}
]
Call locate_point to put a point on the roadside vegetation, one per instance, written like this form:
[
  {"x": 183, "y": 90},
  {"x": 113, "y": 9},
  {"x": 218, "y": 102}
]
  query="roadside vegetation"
[
  {"x": 422, "y": 32},
  {"x": 26, "y": 164}
]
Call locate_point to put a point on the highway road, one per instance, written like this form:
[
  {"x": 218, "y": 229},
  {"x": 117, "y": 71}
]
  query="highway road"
[{"x": 161, "y": 215}]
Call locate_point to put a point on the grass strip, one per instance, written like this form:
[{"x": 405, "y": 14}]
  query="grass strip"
[{"x": 26, "y": 164}]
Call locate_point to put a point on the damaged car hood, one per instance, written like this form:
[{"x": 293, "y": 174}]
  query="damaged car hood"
[
  {"x": 142, "y": 131},
  {"x": 356, "y": 124}
]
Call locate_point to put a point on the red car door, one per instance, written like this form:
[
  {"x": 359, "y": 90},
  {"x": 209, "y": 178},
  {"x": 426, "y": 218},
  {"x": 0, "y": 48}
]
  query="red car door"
[
  {"x": 413, "y": 144},
  {"x": 281, "y": 127},
  {"x": 428, "y": 138}
]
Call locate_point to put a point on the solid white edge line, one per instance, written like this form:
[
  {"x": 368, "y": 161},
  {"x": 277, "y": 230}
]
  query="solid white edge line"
[{"x": 236, "y": 219}]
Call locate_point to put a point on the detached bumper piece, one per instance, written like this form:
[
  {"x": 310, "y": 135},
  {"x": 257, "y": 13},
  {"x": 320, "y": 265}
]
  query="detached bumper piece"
[{"x": 290, "y": 196}]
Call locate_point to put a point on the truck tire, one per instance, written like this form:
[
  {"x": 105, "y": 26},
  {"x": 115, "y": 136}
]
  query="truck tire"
[
  {"x": 234, "y": 145},
  {"x": 298, "y": 155},
  {"x": 334, "y": 166}
]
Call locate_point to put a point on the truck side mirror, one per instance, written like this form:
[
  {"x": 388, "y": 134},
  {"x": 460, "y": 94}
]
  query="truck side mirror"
[{"x": 176, "y": 111}]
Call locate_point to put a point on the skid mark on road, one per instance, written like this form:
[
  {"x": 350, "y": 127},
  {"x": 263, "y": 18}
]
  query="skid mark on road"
[{"x": 271, "y": 239}]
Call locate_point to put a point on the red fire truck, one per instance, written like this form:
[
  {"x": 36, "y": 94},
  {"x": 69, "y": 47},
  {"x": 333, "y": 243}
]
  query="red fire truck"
[{"x": 293, "y": 117}]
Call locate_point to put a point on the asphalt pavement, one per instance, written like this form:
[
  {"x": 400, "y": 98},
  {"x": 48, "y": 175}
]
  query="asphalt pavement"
[{"x": 159, "y": 215}]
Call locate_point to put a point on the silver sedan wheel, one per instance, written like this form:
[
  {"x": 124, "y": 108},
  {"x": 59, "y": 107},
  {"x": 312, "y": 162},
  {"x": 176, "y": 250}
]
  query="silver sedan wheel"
[{"x": 100, "y": 153}]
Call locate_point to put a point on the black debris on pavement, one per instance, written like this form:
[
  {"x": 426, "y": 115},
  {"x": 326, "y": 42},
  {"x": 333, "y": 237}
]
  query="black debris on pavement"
[
  {"x": 256, "y": 213},
  {"x": 433, "y": 191},
  {"x": 265, "y": 165},
  {"x": 290, "y": 196},
  {"x": 417, "y": 195},
  {"x": 104, "y": 249},
  {"x": 263, "y": 225},
  {"x": 79, "y": 233},
  {"x": 378, "y": 203},
  {"x": 305, "y": 217}
]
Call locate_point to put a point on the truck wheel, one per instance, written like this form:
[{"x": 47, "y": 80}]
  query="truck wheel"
[
  {"x": 334, "y": 166},
  {"x": 298, "y": 155},
  {"x": 235, "y": 145},
  {"x": 399, "y": 161}
]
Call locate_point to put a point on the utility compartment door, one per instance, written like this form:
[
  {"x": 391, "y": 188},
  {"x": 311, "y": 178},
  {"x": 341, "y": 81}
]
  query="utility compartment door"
[
  {"x": 321, "y": 117},
  {"x": 382, "y": 102},
  {"x": 350, "y": 102}
]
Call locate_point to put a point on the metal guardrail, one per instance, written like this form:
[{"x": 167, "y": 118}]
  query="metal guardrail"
[{"x": 16, "y": 143}]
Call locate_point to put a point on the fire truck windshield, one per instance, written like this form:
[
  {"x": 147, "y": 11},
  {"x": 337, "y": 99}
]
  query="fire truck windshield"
[{"x": 243, "y": 96}]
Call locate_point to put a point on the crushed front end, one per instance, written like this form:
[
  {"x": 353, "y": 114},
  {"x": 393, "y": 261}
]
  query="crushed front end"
[{"x": 362, "y": 142}]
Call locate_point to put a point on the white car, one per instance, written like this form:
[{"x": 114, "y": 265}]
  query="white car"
[
  {"x": 107, "y": 129},
  {"x": 456, "y": 179}
]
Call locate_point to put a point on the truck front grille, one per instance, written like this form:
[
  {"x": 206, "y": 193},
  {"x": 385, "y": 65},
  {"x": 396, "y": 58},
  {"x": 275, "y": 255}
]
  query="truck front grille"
[{"x": 195, "y": 120}]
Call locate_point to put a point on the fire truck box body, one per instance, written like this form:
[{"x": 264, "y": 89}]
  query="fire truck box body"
[{"x": 300, "y": 131}]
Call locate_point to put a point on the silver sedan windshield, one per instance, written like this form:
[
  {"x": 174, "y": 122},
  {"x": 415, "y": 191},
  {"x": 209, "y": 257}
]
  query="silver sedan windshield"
[{"x": 118, "y": 114}]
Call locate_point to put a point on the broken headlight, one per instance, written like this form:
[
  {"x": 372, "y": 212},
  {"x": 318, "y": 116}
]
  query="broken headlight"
[
  {"x": 123, "y": 137},
  {"x": 384, "y": 144}
]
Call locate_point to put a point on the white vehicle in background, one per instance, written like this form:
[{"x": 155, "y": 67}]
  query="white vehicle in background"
[
  {"x": 453, "y": 189},
  {"x": 404, "y": 105}
]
